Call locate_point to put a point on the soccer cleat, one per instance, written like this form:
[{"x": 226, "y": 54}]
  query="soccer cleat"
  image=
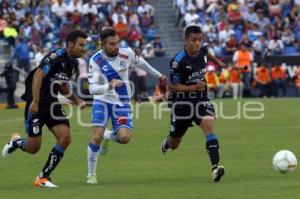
[
  {"x": 92, "y": 180},
  {"x": 43, "y": 182},
  {"x": 104, "y": 147},
  {"x": 10, "y": 146},
  {"x": 105, "y": 143},
  {"x": 164, "y": 149},
  {"x": 218, "y": 173}
]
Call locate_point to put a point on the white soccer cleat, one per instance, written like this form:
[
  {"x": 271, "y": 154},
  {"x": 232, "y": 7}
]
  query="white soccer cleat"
[
  {"x": 9, "y": 147},
  {"x": 163, "y": 148},
  {"x": 92, "y": 180},
  {"x": 43, "y": 183},
  {"x": 105, "y": 143},
  {"x": 218, "y": 173}
]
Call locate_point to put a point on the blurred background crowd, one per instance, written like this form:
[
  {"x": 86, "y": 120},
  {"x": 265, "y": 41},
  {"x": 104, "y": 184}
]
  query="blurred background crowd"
[{"x": 237, "y": 31}]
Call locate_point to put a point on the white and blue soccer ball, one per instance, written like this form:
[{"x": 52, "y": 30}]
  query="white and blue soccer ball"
[{"x": 284, "y": 161}]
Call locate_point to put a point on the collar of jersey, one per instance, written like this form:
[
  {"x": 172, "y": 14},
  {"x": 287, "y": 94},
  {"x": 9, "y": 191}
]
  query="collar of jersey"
[{"x": 107, "y": 57}]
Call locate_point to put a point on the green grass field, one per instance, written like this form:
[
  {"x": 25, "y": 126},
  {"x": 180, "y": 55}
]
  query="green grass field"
[{"x": 138, "y": 170}]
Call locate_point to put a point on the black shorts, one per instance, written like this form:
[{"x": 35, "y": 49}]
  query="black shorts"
[
  {"x": 49, "y": 115},
  {"x": 183, "y": 115}
]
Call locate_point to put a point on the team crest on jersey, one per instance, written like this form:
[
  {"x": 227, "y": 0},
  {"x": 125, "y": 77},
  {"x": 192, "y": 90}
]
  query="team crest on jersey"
[
  {"x": 174, "y": 64},
  {"x": 36, "y": 129},
  {"x": 53, "y": 55},
  {"x": 122, "y": 64}
]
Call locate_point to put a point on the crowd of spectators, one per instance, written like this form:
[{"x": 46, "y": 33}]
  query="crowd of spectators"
[
  {"x": 266, "y": 27},
  {"x": 43, "y": 25},
  {"x": 244, "y": 31}
]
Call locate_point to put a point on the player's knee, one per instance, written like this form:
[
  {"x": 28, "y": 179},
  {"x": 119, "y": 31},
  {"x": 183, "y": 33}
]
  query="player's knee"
[
  {"x": 124, "y": 139},
  {"x": 207, "y": 125},
  {"x": 65, "y": 141},
  {"x": 33, "y": 149},
  {"x": 97, "y": 138}
]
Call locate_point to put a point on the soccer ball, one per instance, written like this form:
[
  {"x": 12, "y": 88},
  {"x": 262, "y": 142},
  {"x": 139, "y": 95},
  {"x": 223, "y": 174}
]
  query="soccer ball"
[{"x": 284, "y": 161}]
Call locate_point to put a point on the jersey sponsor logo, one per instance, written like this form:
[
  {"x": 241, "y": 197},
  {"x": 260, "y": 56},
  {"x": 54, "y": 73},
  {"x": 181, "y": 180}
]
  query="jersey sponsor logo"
[
  {"x": 174, "y": 64},
  {"x": 189, "y": 67},
  {"x": 122, "y": 64},
  {"x": 105, "y": 68},
  {"x": 197, "y": 76},
  {"x": 61, "y": 76},
  {"x": 123, "y": 56},
  {"x": 36, "y": 129}
]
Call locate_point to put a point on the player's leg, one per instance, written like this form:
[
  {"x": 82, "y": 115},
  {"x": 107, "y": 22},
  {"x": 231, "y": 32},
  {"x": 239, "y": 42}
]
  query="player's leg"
[
  {"x": 122, "y": 125},
  {"x": 31, "y": 144},
  {"x": 58, "y": 124},
  {"x": 63, "y": 138},
  {"x": 93, "y": 150},
  {"x": 206, "y": 118},
  {"x": 173, "y": 140},
  {"x": 179, "y": 123},
  {"x": 100, "y": 115}
]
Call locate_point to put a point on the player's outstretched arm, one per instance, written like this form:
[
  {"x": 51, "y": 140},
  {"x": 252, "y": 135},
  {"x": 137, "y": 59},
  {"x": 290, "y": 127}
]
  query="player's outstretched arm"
[
  {"x": 215, "y": 60},
  {"x": 36, "y": 87},
  {"x": 144, "y": 65}
]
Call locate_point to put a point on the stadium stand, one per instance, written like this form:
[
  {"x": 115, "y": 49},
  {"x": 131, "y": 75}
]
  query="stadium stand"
[{"x": 265, "y": 27}]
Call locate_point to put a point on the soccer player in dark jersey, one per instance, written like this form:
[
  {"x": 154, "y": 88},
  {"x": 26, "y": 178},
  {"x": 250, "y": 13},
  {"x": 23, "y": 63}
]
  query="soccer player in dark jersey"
[
  {"x": 189, "y": 100},
  {"x": 42, "y": 106}
]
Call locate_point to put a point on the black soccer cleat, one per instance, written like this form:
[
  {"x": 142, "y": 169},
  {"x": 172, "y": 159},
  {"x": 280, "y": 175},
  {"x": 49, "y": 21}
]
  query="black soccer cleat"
[
  {"x": 164, "y": 148},
  {"x": 218, "y": 173}
]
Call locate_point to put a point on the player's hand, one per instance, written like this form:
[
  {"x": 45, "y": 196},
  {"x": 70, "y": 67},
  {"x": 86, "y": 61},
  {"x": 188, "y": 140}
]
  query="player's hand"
[
  {"x": 81, "y": 104},
  {"x": 163, "y": 80},
  {"x": 115, "y": 83},
  {"x": 34, "y": 107},
  {"x": 200, "y": 86}
]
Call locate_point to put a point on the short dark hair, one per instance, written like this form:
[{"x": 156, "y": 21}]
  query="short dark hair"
[
  {"x": 74, "y": 35},
  {"x": 191, "y": 29},
  {"x": 107, "y": 32}
]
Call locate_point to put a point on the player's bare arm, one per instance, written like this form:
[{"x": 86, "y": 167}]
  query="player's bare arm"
[
  {"x": 215, "y": 60},
  {"x": 36, "y": 87}
]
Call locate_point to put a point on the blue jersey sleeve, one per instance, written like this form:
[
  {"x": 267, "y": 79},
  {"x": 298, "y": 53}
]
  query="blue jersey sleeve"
[
  {"x": 175, "y": 76},
  {"x": 46, "y": 65}
]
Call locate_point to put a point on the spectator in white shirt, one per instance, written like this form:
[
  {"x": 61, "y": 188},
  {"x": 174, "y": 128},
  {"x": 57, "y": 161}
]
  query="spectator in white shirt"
[
  {"x": 89, "y": 7},
  {"x": 75, "y": 5},
  {"x": 145, "y": 7},
  {"x": 191, "y": 17},
  {"x": 224, "y": 34},
  {"x": 276, "y": 46},
  {"x": 59, "y": 9},
  {"x": 148, "y": 51},
  {"x": 119, "y": 13}
]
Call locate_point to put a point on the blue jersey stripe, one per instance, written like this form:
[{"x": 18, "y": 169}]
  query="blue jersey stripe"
[
  {"x": 111, "y": 74},
  {"x": 180, "y": 56}
]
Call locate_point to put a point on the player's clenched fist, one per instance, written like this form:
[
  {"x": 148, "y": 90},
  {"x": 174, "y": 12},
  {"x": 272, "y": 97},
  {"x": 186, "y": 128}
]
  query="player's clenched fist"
[
  {"x": 200, "y": 86},
  {"x": 115, "y": 83}
]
